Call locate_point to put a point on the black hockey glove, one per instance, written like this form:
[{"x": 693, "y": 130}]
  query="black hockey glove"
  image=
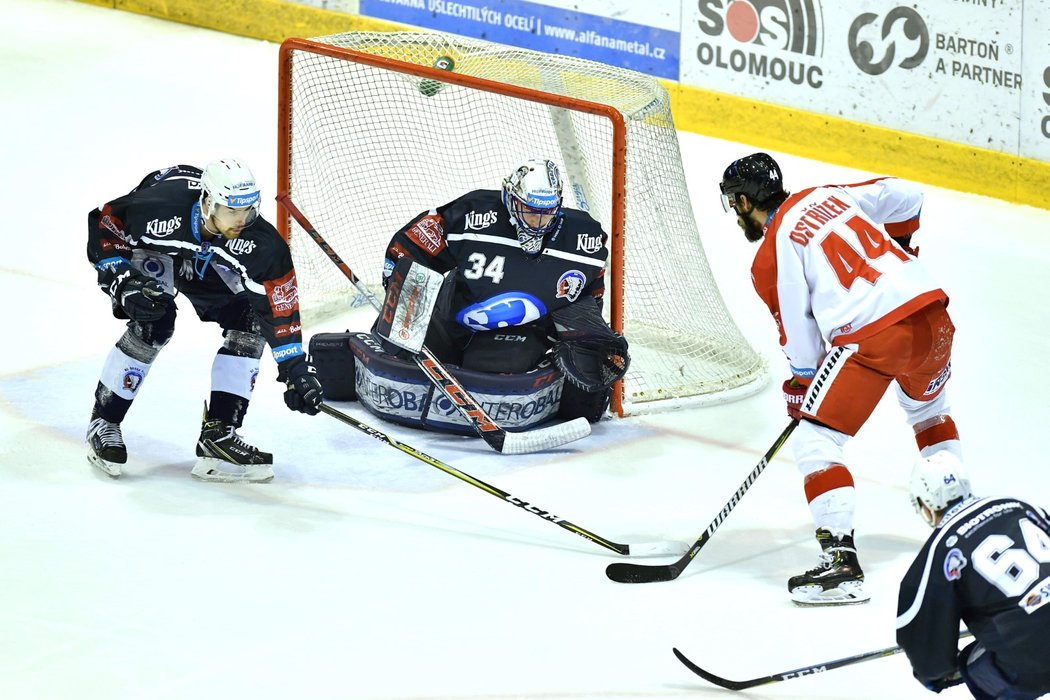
[
  {"x": 142, "y": 298},
  {"x": 304, "y": 389},
  {"x": 588, "y": 352},
  {"x": 939, "y": 684}
]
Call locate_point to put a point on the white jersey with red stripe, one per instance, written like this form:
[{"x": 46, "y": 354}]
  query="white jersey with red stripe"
[{"x": 830, "y": 272}]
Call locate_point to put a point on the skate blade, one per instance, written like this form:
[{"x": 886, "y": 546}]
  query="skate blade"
[
  {"x": 848, "y": 593},
  {"x": 212, "y": 469},
  {"x": 111, "y": 469}
]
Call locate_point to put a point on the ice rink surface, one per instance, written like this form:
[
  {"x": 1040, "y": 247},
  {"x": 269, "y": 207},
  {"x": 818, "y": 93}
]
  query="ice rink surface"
[{"x": 361, "y": 572}]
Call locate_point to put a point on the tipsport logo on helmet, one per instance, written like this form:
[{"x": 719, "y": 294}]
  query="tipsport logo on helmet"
[
  {"x": 236, "y": 201},
  {"x": 900, "y": 38},
  {"x": 771, "y": 37}
]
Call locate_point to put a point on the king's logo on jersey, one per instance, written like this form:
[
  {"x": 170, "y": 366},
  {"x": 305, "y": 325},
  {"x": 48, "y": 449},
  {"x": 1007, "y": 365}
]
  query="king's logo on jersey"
[
  {"x": 240, "y": 246},
  {"x": 166, "y": 227},
  {"x": 588, "y": 244},
  {"x": 476, "y": 221}
]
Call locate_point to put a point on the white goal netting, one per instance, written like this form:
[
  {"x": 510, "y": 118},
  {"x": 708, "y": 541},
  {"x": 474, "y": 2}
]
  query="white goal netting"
[{"x": 366, "y": 146}]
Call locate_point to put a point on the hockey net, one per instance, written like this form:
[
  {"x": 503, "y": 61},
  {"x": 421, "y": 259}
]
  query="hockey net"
[{"x": 371, "y": 134}]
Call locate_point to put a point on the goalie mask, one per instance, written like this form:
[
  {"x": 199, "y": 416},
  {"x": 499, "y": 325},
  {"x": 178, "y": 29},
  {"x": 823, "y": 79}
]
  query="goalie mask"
[
  {"x": 532, "y": 195},
  {"x": 937, "y": 481},
  {"x": 230, "y": 197}
]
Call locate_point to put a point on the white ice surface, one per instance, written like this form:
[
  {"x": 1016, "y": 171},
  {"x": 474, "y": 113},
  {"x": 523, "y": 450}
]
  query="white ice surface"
[{"x": 361, "y": 572}]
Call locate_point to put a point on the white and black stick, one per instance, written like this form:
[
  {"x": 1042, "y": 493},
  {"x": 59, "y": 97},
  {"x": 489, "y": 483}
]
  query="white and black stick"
[
  {"x": 642, "y": 549},
  {"x": 623, "y": 572},
  {"x": 494, "y": 436},
  {"x": 795, "y": 672}
]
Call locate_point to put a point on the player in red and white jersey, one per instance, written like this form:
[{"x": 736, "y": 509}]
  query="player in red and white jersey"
[{"x": 856, "y": 311}]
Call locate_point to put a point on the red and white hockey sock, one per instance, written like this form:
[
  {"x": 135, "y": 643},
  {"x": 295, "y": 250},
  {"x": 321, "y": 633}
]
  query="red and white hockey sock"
[
  {"x": 832, "y": 499},
  {"x": 936, "y": 434}
]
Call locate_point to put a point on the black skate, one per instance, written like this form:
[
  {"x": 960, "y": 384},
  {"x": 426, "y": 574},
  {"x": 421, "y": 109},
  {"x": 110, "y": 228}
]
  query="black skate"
[
  {"x": 836, "y": 580},
  {"x": 224, "y": 456},
  {"x": 106, "y": 449}
]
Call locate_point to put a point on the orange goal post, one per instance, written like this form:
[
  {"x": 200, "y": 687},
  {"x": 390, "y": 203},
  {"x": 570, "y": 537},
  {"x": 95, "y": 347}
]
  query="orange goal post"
[{"x": 370, "y": 133}]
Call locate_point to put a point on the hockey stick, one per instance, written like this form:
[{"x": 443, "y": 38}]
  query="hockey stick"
[
  {"x": 643, "y": 549},
  {"x": 494, "y": 436},
  {"x": 622, "y": 572},
  {"x": 794, "y": 673}
]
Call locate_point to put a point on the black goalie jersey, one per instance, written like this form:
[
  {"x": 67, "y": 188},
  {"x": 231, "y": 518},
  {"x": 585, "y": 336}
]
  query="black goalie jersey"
[
  {"x": 157, "y": 229},
  {"x": 497, "y": 283},
  {"x": 987, "y": 564}
]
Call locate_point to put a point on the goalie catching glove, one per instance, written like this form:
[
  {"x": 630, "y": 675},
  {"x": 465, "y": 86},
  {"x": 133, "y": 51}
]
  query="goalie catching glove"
[{"x": 588, "y": 352}]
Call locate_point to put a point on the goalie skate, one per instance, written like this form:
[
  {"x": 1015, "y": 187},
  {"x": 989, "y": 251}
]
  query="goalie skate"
[
  {"x": 836, "y": 580},
  {"x": 225, "y": 457},
  {"x": 106, "y": 449}
]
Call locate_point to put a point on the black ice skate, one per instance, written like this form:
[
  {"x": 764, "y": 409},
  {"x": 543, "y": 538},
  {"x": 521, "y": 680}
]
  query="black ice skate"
[
  {"x": 224, "y": 456},
  {"x": 836, "y": 580},
  {"x": 106, "y": 449}
]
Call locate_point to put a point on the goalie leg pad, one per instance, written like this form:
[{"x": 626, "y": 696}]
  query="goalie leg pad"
[
  {"x": 577, "y": 403},
  {"x": 334, "y": 361},
  {"x": 397, "y": 390}
]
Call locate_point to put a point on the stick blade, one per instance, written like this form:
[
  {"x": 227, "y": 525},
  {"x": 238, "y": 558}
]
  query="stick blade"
[
  {"x": 710, "y": 677},
  {"x": 624, "y": 572},
  {"x": 658, "y": 549},
  {"x": 545, "y": 438}
]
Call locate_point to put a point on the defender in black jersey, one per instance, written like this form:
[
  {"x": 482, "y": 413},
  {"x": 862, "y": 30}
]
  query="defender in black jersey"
[
  {"x": 987, "y": 564},
  {"x": 199, "y": 233},
  {"x": 524, "y": 277}
]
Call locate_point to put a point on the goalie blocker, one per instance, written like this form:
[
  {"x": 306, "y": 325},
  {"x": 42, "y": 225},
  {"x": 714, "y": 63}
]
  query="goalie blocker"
[{"x": 355, "y": 367}]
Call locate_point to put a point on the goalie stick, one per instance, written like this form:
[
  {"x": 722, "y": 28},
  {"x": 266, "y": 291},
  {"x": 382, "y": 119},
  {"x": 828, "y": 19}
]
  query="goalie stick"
[
  {"x": 796, "y": 672},
  {"x": 622, "y": 572},
  {"x": 642, "y": 549},
  {"x": 494, "y": 436}
]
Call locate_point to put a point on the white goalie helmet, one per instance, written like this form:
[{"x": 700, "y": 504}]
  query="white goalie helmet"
[
  {"x": 936, "y": 481},
  {"x": 532, "y": 195},
  {"x": 229, "y": 183}
]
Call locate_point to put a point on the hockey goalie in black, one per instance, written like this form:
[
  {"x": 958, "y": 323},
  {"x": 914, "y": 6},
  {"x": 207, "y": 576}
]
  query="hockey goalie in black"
[
  {"x": 986, "y": 564},
  {"x": 524, "y": 280},
  {"x": 199, "y": 233}
]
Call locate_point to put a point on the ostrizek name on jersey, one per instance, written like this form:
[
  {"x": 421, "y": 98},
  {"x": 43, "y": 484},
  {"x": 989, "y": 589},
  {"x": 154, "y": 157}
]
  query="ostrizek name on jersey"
[
  {"x": 476, "y": 221},
  {"x": 157, "y": 227}
]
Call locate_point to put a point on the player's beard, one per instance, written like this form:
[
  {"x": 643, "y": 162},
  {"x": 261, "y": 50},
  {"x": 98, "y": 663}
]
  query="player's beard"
[{"x": 752, "y": 231}]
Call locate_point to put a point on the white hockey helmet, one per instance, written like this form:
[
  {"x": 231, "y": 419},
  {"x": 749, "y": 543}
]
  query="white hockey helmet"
[
  {"x": 532, "y": 195},
  {"x": 229, "y": 183},
  {"x": 936, "y": 481}
]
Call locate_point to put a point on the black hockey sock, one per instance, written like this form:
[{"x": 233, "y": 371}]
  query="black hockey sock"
[
  {"x": 109, "y": 406},
  {"x": 229, "y": 408}
]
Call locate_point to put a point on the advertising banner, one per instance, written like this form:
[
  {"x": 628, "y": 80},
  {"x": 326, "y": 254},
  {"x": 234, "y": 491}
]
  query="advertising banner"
[
  {"x": 1035, "y": 98},
  {"x": 948, "y": 69},
  {"x": 645, "y": 38}
]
